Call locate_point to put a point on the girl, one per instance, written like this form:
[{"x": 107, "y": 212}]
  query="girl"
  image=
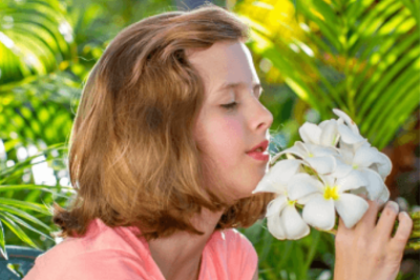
[{"x": 159, "y": 159}]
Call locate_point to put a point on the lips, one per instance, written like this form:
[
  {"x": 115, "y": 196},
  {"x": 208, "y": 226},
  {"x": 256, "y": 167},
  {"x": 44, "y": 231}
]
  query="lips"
[
  {"x": 263, "y": 145},
  {"x": 260, "y": 156}
]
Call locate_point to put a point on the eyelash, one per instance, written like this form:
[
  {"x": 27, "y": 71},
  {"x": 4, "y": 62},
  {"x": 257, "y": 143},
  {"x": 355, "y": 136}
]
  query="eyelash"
[
  {"x": 233, "y": 105},
  {"x": 230, "y": 105}
]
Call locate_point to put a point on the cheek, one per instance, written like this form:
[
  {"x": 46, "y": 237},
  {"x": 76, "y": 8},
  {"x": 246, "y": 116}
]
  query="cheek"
[
  {"x": 222, "y": 140},
  {"x": 228, "y": 137}
]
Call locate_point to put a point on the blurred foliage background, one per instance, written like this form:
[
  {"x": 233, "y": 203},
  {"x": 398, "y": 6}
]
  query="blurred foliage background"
[{"x": 362, "y": 56}]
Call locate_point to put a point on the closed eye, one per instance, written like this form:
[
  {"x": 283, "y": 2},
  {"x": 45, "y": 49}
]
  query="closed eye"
[{"x": 230, "y": 105}]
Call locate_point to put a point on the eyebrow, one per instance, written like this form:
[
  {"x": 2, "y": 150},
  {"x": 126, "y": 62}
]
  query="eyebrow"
[{"x": 226, "y": 86}]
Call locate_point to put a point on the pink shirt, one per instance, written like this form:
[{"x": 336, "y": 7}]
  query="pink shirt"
[{"x": 116, "y": 253}]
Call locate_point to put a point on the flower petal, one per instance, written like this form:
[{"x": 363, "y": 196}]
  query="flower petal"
[
  {"x": 321, "y": 151},
  {"x": 302, "y": 185},
  {"x": 327, "y": 180},
  {"x": 362, "y": 191},
  {"x": 342, "y": 169},
  {"x": 365, "y": 156},
  {"x": 374, "y": 185},
  {"x": 284, "y": 170},
  {"x": 306, "y": 199},
  {"x": 276, "y": 205},
  {"x": 329, "y": 135},
  {"x": 351, "y": 208},
  {"x": 310, "y": 133},
  {"x": 319, "y": 213},
  {"x": 346, "y": 152},
  {"x": 322, "y": 165},
  {"x": 297, "y": 149},
  {"x": 384, "y": 195},
  {"x": 275, "y": 227},
  {"x": 277, "y": 178},
  {"x": 384, "y": 166},
  {"x": 348, "y": 136},
  {"x": 352, "y": 125},
  {"x": 268, "y": 186},
  {"x": 354, "y": 180},
  {"x": 294, "y": 225}
]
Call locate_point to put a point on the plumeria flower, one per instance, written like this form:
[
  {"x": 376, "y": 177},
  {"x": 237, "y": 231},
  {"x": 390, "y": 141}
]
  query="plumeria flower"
[
  {"x": 361, "y": 160},
  {"x": 349, "y": 132},
  {"x": 325, "y": 134},
  {"x": 321, "y": 159},
  {"x": 283, "y": 220},
  {"x": 326, "y": 196},
  {"x": 334, "y": 181},
  {"x": 382, "y": 165}
]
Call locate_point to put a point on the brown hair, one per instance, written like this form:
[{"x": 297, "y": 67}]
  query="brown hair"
[{"x": 132, "y": 156}]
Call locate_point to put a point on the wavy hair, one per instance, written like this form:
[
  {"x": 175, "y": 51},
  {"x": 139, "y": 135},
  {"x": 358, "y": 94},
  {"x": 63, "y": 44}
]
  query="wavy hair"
[{"x": 132, "y": 156}]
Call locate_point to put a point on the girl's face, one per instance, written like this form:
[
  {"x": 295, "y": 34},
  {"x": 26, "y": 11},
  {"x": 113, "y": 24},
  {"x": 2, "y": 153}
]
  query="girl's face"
[{"x": 224, "y": 134}]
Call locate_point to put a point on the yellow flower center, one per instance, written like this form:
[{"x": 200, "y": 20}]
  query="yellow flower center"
[
  {"x": 310, "y": 155},
  {"x": 355, "y": 166},
  {"x": 291, "y": 202},
  {"x": 331, "y": 192}
]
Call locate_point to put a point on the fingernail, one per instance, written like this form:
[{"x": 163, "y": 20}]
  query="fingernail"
[
  {"x": 394, "y": 206},
  {"x": 406, "y": 214}
]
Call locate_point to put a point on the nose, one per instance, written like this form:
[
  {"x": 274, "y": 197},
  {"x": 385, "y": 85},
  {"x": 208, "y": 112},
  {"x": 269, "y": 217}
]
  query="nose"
[{"x": 262, "y": 118}]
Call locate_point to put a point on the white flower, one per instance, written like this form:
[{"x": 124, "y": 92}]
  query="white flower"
[
  {"x": 321, "y": 159},
  {"x": 326, "y": 196},
  {"x": 364, "y": 161},
  {"x": 349, "y": 133},
  {"x": 383, "y": 165},
  {"x": 337, "y": 176},
  {"x": 283, "y": 220},
  {"x": 325, "y": 134},
  {"x": 278, "y": 177}
]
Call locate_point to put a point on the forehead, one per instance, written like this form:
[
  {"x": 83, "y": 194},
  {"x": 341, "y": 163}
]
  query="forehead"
[{"x": 225, "y": 63}]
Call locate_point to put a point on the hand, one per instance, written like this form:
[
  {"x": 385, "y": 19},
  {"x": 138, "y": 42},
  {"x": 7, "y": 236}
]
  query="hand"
[{"x": 367, "y": 251}]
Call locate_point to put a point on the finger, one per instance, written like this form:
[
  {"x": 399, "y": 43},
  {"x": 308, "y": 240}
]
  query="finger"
[
  {"x": 400, "y": 238},
  {"x": 368, "y": 221},
  {"x": 387, "y": 220},
  {"x": 342, "y": 227},
  {"x": 343, "y": 233}
]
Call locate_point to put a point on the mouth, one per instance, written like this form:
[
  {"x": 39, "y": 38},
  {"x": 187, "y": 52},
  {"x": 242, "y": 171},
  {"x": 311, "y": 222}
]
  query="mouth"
[
  {"x": 261, "y": 147},
  {"x": 260, "y": 151}
]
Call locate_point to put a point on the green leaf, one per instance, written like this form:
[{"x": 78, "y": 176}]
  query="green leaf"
[
  {"x": 23, "y": 214},
  {"x": 36, "y": 40},
  {"x": 25, "y": 224},
  {"x": 26, "y": 205},
  {"x": 17, "y": 230},
  {"x": 45, "y": 188},
  {"x": 3, "y": 250},
  {"x": 316, "y": 236}
]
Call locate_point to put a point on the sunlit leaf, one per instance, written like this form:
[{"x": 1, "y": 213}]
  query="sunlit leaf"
[
  {"x": 34, "y": 38},
  {"x": 25, "y": 205},
  {"x": 16, "y": 229},
  {"x": 3, "y": 250}
]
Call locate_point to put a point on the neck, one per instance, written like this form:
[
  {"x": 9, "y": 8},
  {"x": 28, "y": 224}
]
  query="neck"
[{"x": 179, "y": 255}]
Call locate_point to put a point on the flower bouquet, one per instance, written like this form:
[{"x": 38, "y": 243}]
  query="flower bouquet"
[{"x": 328, "y": 172}]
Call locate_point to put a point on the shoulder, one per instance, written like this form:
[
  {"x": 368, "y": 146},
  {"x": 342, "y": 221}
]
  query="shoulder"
[
  {"x": 105, "y": 264},
  {"x": 237, "y": 243},
  {"x": 240, "y": 254},
  {"x": 102, "y": 253}
]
